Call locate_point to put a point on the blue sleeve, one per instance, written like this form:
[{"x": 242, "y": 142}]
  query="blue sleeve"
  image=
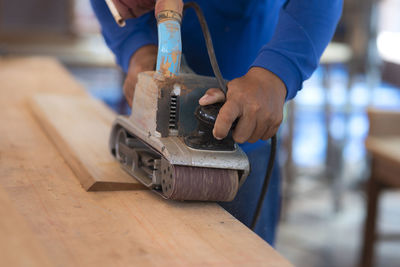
[
  {"x": 124, "y": 41},
  {"x": 304, "y": 29}
]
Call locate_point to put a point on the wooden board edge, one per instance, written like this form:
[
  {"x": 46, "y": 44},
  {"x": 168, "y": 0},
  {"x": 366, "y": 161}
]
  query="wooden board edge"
[
  {"x": 81, "y": 173},
  {"x": 113, "y": 186}
]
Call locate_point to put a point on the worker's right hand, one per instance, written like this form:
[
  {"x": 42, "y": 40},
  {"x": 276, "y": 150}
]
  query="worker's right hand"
[
  {"x": 144, "y": 59},
  {"x": 256, "y": 98}
]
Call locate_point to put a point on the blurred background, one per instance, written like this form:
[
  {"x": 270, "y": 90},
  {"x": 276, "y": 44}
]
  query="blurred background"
[{"x": 336, "y": 189}]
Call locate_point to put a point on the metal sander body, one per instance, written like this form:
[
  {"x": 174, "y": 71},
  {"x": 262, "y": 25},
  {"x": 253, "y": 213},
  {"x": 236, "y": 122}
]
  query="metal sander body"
[
  {"x": 167, "y": 142},
  {"x": 151, "y": 145}
]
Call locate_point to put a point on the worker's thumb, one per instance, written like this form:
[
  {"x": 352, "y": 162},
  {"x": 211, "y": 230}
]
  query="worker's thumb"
[{"x": 213, "y": 95}]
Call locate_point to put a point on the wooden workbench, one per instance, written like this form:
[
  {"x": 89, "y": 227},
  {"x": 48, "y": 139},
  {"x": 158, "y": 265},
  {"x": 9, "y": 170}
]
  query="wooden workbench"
[{"x": 48, "y": 219}]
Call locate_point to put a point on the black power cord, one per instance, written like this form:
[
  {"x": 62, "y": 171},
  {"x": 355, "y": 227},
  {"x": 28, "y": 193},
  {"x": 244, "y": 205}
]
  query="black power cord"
[
  {"x": 209, "y": 44},
  {"x": 224, "y": 89},
  {"x": 264, "y": 189}
]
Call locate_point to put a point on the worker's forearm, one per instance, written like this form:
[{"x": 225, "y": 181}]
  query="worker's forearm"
[
  {"x": 143, "y": 59},
  {"x": 125, "y": 41},
  {"x": 317, "y": 18},
  {"x": 303, "y": 31}
]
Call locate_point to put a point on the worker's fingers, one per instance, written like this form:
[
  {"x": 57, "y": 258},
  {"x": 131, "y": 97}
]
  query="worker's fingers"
[
  {"x": 245, "y": 128},
  {"x": 270, "y": 132},
  {"x": 259, "y": 131},
  {"x": 129, "y": 89},
  {"x": 226, "y": 116},
  {"x": 213, "y": 95},
  {"x": 273, "y": 121},
  {"x": 134, "y": 8}
]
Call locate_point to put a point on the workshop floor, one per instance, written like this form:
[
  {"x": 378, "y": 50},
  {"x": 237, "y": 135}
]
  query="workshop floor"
[{"x": 311, "y": 233}]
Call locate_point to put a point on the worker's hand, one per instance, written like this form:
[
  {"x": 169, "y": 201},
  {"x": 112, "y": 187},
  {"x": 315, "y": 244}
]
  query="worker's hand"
[
  {"x": 136, "y": 8},
  {"x": 144, "y": 59},
  {"x": 133, "y": 8},
  {"x": 256, "y": 98}
]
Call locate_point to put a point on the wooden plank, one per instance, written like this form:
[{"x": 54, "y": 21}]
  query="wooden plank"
[
  {"x": 35, "y": 75},
  {"x": 18, "y": 246},
  {"x": 79, "y": 127},
  {"x": 119, "y": 228}
]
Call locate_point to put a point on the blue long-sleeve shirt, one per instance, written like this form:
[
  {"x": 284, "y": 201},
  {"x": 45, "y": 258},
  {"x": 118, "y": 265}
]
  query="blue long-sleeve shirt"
[{"x": 286, "y": 37}]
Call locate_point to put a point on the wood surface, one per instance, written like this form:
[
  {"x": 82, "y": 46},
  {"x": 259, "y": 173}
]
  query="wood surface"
[
  {"x": 118, "y": 228},
  {"x": 79, "y": 127},
  {"x": 18, "y": 246}
]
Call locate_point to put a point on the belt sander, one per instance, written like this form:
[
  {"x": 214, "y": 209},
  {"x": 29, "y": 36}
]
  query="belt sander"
[{"x": 167, "y": 142}]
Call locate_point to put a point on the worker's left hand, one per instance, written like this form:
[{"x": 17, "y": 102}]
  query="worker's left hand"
[
  {"x": 256, "y": 98},
  {"x": 136, "y": 8},
  {"x": 144, "y": 59}
]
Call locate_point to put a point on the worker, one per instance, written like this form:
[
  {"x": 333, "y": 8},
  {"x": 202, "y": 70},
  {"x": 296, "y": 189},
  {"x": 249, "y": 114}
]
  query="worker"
[{"x": 266, "y": 48}]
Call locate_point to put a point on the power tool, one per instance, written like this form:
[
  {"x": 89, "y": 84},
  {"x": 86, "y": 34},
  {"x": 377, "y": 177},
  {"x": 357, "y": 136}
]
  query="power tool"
[{"x": 167, "y": 142}]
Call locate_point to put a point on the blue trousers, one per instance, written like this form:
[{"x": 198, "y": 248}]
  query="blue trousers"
[{"x": 244, "y": 205}]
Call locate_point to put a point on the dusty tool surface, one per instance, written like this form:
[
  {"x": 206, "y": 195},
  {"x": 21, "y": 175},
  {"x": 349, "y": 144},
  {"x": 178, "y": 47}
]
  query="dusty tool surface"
[
  {"x": 119, "y": 228},
  {"x": 154, "y": 144},
  {"x": 151, "y": 144}
]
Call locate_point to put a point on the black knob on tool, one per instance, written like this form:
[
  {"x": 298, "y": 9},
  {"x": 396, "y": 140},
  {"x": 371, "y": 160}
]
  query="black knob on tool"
[
  {"x": 202, "y": 137},
  {"x": 208, "y": 114}
]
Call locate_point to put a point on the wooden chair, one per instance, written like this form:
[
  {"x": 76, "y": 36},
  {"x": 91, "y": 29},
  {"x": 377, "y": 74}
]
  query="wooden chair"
[{"x": 383, "y": 145}]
